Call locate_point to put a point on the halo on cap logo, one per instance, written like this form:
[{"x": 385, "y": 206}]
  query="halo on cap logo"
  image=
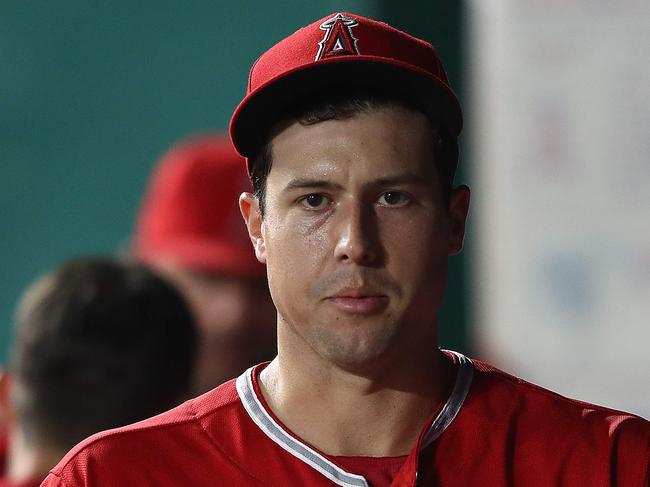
[{"x": 338, "y": 39}]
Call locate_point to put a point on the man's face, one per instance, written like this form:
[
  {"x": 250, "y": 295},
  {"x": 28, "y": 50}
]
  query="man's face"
[
  {"x": 236, "y": 321},
  {"x": 356, "y": 235}
]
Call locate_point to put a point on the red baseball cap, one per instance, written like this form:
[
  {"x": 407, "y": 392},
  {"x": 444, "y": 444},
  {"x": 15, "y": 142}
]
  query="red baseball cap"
[
  {"x": 337, "y": 53},
  {"x": 190, "y": 213}
]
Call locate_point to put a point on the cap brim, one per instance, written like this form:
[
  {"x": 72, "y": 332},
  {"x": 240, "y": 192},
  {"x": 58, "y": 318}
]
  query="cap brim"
[{"x": 260, "y": 110}]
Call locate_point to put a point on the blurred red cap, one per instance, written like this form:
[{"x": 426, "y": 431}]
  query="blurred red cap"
[
  {"x": 339, "y": 53},
  {"x": 190, "y": 214}
]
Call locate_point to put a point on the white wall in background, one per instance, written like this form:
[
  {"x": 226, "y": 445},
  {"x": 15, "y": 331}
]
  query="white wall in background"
[{"x": 560, "y": 125}]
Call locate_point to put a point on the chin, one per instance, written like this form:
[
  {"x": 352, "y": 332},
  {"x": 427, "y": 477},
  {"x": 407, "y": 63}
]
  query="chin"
[{"x": 357, "y": 348}]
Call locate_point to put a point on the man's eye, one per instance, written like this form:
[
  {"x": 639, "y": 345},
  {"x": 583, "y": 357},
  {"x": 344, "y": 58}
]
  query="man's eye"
[
  {"x": 393, "y": 199},
  {"x": 314, "y": 202}
]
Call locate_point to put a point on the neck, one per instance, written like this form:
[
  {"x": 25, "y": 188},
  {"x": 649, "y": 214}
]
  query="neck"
[
  {"x": 26, "y": 461},
  {"x": 378, "y": 412}
]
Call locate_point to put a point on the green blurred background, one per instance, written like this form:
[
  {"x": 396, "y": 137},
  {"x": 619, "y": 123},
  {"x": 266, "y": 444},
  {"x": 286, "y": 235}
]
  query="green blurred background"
[{"x": 91, "y": 94}]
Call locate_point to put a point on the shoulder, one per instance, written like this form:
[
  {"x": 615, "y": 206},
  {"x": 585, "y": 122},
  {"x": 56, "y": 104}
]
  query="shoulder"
[
  {"x": 496, "y": 387},
  {"x": 541, "y": 424},
  {"x": 163, "y": 443}
]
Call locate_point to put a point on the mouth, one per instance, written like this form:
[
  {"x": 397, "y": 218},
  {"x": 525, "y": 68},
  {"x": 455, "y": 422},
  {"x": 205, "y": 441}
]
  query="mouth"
[{"x": 359, "y": 301}]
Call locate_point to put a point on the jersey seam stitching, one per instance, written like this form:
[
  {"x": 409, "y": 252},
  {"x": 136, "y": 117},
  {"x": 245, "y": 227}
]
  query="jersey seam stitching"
[
  {"x": 60, "y": 477},
  {"x": 223, "y": 452}
]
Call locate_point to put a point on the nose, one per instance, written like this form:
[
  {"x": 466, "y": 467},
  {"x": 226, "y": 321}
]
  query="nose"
[{"x": 357, "y": 236}]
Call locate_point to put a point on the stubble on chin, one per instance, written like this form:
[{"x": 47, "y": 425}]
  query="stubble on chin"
[{"x": 354, "y": 344}]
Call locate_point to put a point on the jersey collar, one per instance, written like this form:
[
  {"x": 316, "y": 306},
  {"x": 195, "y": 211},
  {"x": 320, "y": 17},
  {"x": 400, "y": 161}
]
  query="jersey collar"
[{"x": 293, "y": 445}]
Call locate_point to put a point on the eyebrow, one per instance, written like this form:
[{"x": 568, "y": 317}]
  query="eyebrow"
[
  {"x": 302, "y": 183},
  {"x": 404, "y": 178}
]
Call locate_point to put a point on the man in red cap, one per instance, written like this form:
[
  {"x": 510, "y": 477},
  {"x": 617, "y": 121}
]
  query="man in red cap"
[
  {"x": 190, "y": 229},
  {"x": 350, "y": 129}
]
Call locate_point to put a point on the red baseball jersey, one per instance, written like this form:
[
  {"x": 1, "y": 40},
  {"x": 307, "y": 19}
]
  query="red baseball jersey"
[{"x": 493, "y": 430}]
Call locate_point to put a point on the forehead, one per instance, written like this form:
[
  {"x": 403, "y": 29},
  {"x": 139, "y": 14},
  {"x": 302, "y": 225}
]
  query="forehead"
[{"x": 374, "y": 143}]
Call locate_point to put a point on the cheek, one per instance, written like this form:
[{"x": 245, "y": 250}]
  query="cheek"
[
  {"x": 296, "y": 241},
  {"x": 295, "y": 254},
  {"x": 415, "y": 252}
]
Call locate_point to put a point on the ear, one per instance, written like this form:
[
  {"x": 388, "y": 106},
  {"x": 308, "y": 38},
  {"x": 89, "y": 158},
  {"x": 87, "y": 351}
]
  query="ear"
[
  {"x": 458, "y": 210},
  {"x": 250, "y": 210}
]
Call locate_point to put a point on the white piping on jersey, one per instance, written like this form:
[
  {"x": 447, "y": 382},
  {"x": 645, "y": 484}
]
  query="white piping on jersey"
[
  {"x": 456, "y": 399},
  {"x": 273, "y": 430},
  {"x": 336, "y": 474}
]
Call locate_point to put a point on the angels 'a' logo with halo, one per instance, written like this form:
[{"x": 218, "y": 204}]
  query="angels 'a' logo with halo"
[{"x": 338, "y": 39}]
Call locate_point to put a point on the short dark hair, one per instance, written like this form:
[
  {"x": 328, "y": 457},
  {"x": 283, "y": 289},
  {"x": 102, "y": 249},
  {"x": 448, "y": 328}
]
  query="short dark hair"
[
  {"x": 99, "y": 344},
  {"x": 341, "y": 107}
]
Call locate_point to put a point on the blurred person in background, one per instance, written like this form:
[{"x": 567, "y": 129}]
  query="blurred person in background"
[
  {"x": 99, "y": 344},
  {"x": 190, "y": 229}
]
